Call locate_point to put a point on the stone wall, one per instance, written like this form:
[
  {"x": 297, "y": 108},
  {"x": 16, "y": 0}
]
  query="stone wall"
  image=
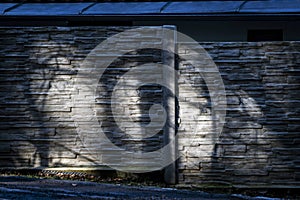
[
  {"x": 39, "y": 122},
  {"x": 259, "y": 144}
]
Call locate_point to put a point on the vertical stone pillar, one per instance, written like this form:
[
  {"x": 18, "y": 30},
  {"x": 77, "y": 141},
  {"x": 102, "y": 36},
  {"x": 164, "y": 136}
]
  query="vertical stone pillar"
[{"x": 169, "y": 99}]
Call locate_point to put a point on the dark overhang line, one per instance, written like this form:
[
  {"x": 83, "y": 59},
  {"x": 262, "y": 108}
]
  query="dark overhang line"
[
  {"x": 155, "y": 18},
  {"x": 86, "y": 8},
  {"x": 164, "y": 7},
  {"x": 241, "y": 6},
  {"x": 13, "y": 7}
]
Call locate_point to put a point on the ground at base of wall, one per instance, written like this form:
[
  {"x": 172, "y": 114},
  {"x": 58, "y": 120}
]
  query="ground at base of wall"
[
  {"x": 260, "y": 193},
  {"x": 106, "y": 176},
  {"x": 151, "y": 180},
  {"x": 18, "y": 187}
]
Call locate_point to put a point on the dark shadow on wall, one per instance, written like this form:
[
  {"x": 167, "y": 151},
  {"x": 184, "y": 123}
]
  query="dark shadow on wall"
[
  {"x": 36, "y": 72},
  {"x": 259, "y": 142},
  {"x": 38, "y": 129},
  {"x": 136, "y": 103}
]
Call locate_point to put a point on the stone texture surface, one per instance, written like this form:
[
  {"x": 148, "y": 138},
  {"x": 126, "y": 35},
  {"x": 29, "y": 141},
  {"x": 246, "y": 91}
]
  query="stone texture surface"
[
  {"x": 38, "y": 71},
  {"x": 259, "y": 144}
]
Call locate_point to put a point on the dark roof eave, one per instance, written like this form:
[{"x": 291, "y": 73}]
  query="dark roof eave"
[
  {"x": 205, "y": 8},
  {"x": 162, "y": 15}
]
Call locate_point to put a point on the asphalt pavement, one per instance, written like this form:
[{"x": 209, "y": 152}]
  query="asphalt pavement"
[{"x": 19, "y": 187}]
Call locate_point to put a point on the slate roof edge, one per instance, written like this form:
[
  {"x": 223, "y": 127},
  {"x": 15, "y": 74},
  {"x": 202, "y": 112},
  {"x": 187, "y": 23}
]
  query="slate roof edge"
[
  {"x": 238, "y": 12},
  {"x": 224, "y": 14},
  {"x": 165, "y": 16}
]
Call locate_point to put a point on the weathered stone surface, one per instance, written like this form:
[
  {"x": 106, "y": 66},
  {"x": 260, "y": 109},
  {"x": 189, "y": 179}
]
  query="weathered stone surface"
[
  {"x": 38, "y": 70},
  {"x": 259, "y": 144},
  {"x": 260, "y": 137}
]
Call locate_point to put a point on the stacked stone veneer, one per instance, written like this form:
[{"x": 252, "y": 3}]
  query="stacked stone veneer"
[
  {"x": 259, "y": 144},
  {"x": 39, "y": 120}
]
